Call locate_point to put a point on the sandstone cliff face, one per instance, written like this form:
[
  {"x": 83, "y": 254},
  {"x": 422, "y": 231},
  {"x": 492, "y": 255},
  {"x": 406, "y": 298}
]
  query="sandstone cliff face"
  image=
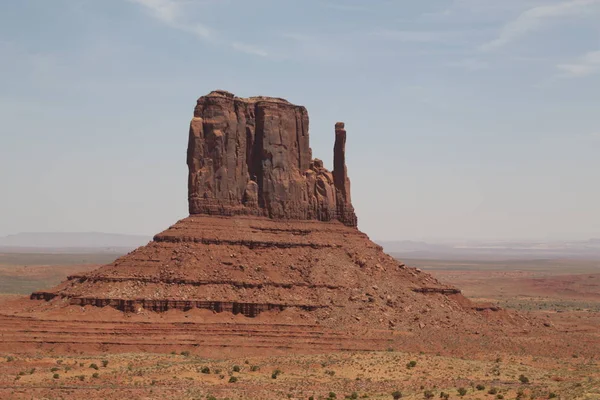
[{"x": 252, "y": 157}]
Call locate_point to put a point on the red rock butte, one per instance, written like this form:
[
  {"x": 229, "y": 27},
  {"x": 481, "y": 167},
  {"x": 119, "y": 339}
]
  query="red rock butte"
[
  {"x": 253, "y": 157},
  {"x": 270, "y": 231}
]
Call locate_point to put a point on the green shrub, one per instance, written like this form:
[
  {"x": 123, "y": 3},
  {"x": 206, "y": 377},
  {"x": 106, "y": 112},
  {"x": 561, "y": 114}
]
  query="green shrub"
[
  {"x": 254, "y": 368},
  {"x": 185, "y": 353},
  {"x": 332, "y": 395},
  {"x": 523, "y": 379},
  {"x": 54, "y": 369},
  {"x": 480, "y": 387},
  {"x": 56, "y": 376},
  {"x": 205, "y": 370},
  {"x": 275, "y": 374},
  {"x": 493, "y": 391},
  {"x": 94, "y": 366},
  {"x": 499, "y": 397},
  {"x": 236, "y": 368},
  {"x": 411, "y": 364},
  {"x": 552, "y": 395},
  {"x": 233, "y": 379},
  {"x": 10, "y": 359},
  {"x": 354, "y": 395},
  {"x": 397, "y": 395},
  {"x": 81, "y": 378},
  {"x": 105, "y": 363},
  {"x": 95, "y": 375},
  {"x": 444, "y": 395},
  {"x": 462, "y": 391},
  {"x": 428, "y": 394}
]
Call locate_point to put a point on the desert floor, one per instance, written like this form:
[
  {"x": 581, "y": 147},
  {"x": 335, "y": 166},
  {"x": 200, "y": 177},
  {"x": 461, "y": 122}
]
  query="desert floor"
[{"x": 564, "y": 292}]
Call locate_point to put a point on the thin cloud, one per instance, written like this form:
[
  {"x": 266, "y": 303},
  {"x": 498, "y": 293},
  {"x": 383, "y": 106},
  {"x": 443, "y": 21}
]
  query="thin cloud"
[
  {"x": 170, "y": 13},
  {"x": 586, "y": 65},
  {"x": 249, "y": 49},
  {"x": 535, "y": 18}
]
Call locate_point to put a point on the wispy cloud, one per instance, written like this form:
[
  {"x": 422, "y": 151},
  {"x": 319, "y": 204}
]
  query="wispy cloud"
[
  {"x": 586, "y": 65},
  {"x": 249, "y": 49},
  {"x": 172, "y": 14},
  {"x": 535, "y": 18}
]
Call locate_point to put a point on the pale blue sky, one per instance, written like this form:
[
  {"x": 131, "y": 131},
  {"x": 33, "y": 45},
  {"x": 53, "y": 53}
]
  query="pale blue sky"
[{"x": 465, "y": 118}]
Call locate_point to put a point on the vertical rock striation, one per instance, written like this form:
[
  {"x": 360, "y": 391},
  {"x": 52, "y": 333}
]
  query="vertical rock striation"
[{"x": 253, "y": 157}]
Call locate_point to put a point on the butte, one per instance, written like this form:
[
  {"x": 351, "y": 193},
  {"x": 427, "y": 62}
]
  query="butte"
[{"x": 270, "y": 250}]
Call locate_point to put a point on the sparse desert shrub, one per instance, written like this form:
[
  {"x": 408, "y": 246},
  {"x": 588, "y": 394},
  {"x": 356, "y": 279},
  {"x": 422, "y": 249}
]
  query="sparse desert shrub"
[
  {"x": 275, "y": 374},
  {"x": 10, "y": 359},
  {"x": 185, "y": 353},
  {"x": 354, "y": 395},
  {"x": 236, "y": 368},
  {"x": 444, "y": 395},
  {"x": 411, "y": 364},
  {"x": 217, "y": 371},
  {"x": 81, "y": 378},
  {"x": 397, "y": 395},
  {"x": 493, "y": 390},
  {"x": 329, "y": 372},
  {"x": 56, "y": 376},
  {"x": 54, "y": 369},
  {"x": 31, "y": 371},
  {"x": 332, "y": 395},
  {"x": 233, "y": 379},
  {"x": 311, "y": 398},
  {"x": 552, "y": 395},
  {"x": 462, "y": 391},
  {"x": 254, "y": 368},
  {"x": 428, "y": 394},
  {"x": 205, "y": 370},
  {"x": 480, "y": 387},
  {"x": 209, "y": 397},
  {"x": 94, "y": 366},
  {"x": 523, "y": 379},
  {"x": 105, "y": 363},
  {"x": 95, "y": 375},
  {"x": 499, "y": 397}
]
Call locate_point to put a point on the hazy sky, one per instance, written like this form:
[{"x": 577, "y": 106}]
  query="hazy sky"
[{"x": 465, "y": 118}]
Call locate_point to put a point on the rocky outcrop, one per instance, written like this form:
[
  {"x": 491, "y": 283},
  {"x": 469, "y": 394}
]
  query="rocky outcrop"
[
  {"x": 252, "y": 157},
  {"x": 259, "y": 238}
]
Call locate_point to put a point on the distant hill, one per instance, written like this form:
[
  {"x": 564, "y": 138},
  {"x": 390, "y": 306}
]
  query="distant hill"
[
  {"x": 72, "y": 241},
  {"x": 499, "y": 250}
]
